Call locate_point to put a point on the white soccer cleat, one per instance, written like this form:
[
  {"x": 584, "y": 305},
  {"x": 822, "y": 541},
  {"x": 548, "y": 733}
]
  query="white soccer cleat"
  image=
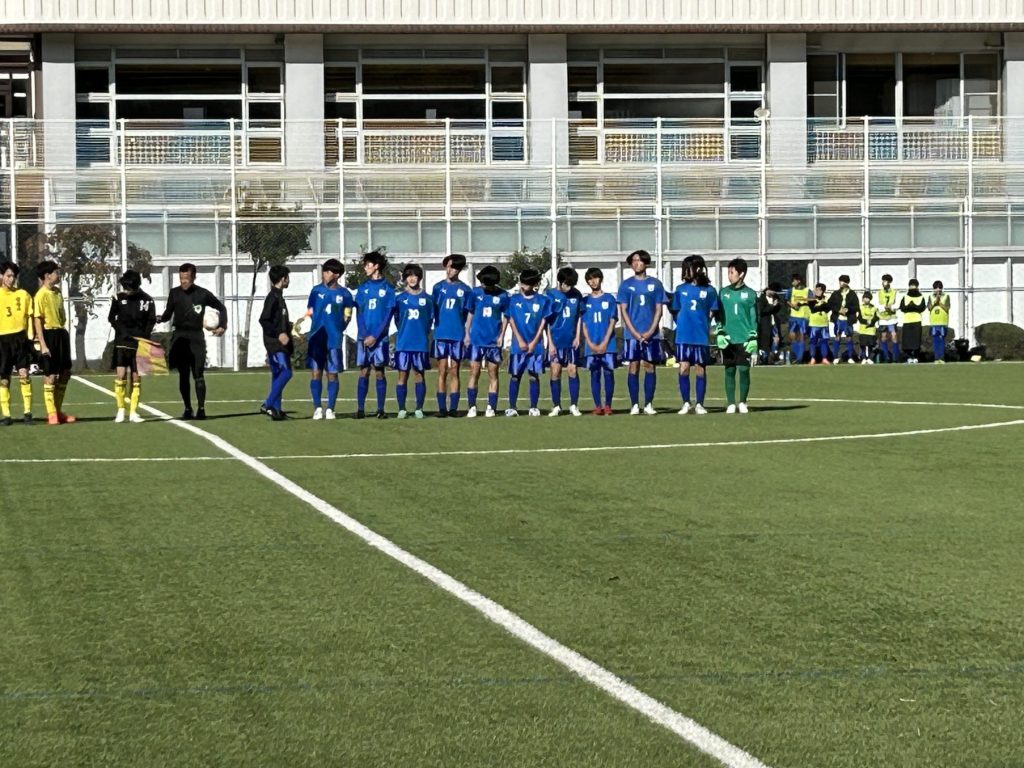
[
  {"x": 649, "y": 410},
  {"x": 402, "y": 414},
  {"x": 635, "y": 410},
  {"x": 700, "y": 410},
  {"x": 511, "y": 412},
  {"x": 685, "y": 409},
  {"x": 743, "y": 408},
  {"x": 869, "y": 361},
  {"x": 418, "y": 413},
  {"x": 556, "y": 411},
  {"x": 489, "y": 413},
  {"x": 851, "y": 361},
  {"x": 329, "y": 415},
  {"x": 134, "y": 418},
  {"x": 574, "y": 410},
  {"x": 471, "y": 413},
  {"x": 534, "y": 411},
  {"x": 119, "y": 418},
  {"x": 318, "y": 414},
  {"x": 731, "y": 408}
]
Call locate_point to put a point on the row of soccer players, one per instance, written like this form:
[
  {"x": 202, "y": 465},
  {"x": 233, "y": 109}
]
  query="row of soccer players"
[
  {"x": 860, "y": 322},
  {"x": 561, "y": 329}
]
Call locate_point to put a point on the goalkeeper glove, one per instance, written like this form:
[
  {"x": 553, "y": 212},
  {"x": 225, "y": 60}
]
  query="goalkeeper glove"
[
  {"x": 751, "y": 346},
  {"x": 722, "y": 340}
]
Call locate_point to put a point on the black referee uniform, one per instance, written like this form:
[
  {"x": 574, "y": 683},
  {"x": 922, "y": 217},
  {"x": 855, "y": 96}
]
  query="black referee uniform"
[{"x": 187, "y": 354}]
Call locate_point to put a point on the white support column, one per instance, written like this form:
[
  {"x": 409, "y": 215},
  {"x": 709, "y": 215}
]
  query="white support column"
[
  {"x": 1013, "y": 90},
  {"x": 548, "y": 80},
  {"x": 58, "y": 103},
  {"x": 787, "y": 98},
  {"x": 304, "y": 101}
]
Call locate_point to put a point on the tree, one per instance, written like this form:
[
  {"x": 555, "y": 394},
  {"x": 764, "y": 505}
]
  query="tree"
[
  {"x": 89, "y": 257},
  {"x": 269, "y": 244},
  {"x": 526, "y": 259},
  {"x": 355, "y": 276}
]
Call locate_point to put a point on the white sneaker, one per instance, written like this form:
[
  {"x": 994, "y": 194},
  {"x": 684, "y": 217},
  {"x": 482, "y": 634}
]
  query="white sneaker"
[
  {"x": 574, "y": 410},
  {"x": 534, "y": 411},
  {"x": 685, "y": 409},
  {"x": 418, "y": 414},
  {"x": 511, "y": 412},
  {"x": 635, "y": 410},
  {"x": 556, "y": 411},
  {"x": 134, "y": 418},
  {"x": 119, "y": 419},
  {"x": 329, "y": 415},
  {"x": 471, "y": 413},
  {"x": 700, "y": 410},
  {"x": 649, "y": 410},
  {"x": 851, "y": 361},
  {"x": 402, "y": 414},
  {"x": 869, "y": 361},
  {"x": 489, "y": 413},
  {"x": 731, "y": 409},
  {"x": 318, "y": 414},
  {"x": 743, "y": 408},
  {"x": 864, "y": 361}
]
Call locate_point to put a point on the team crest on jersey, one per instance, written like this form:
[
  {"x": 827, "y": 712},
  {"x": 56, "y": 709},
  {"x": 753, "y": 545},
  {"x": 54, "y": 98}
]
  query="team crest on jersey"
[
  {"x": 338, "y": 300},
  {"x": 494, "y": 300},
  {"x": 703, "y": 294},
  {"x": 198, "y": 309},
  {"x": 650, "y": 288},
  {"x": 604, "y": 305},
  {"x": 423, "y": 302},
  {"x": 536, "y": 307},
  {"x": 459, "y": 293},
  {"x": 381, "y": 293}
]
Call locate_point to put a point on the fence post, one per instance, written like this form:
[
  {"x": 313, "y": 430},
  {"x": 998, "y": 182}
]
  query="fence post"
[
  {"x": 968, "y": 314},
  {"x": 448, "y": 185},
  {"x": 234, "y": 246},
  {"x": 123, "y": 174},
  {"x": 659, "y": 248},
  {"x": 554, "y": 197},
  {"x": 14, "y": 192},
  {"x": 865, "y": 213}
]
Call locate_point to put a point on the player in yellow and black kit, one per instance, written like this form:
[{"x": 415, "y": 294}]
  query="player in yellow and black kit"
[
  {"x": 132, "y": 315},
  {"x": 54, "y": 341},
  {"x": 820, "y": 311},
  {"x": 15, "y": 341}
]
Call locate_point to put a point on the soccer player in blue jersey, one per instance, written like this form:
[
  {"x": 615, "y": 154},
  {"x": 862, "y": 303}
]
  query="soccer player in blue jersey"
[
  {"x": 527, "y": 312},
  {"x": 564, "y": 339},
  {"x": 329, "y": 309},
  {"x": 641, "y": 302},
  {"x": 693, "y": 305},
  {"x": 600, "y": 311},
  {"x": 485, "y": 329},
  {"x": 375, "y": 300},
  {"x": 414, "y": 311},
  {"x": 450, "y": 297}
]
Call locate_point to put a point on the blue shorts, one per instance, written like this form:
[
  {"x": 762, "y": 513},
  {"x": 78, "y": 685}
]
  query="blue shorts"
[
  {"x": 526, "y": 362},
  {"x": 820, "y": 334},
  {"x": 843, "y": 329},
  {"x": 487, "y": 354},
  {"x": 939, "y": 330},
  {"x": 891, "y": 328},
  {"x": 799, "y": 325},
  {"x": 376, "y": 357},
  {"x": 566, "y": 356},
  {"x": 694, "y": 354},
  {"x": 606, "y": 362},
  {"x": 649, "y": 351},
  {"x": 453, "y": 351},
  {"x": 412, "y": 361},
  {"x": 319, "y": 357}
]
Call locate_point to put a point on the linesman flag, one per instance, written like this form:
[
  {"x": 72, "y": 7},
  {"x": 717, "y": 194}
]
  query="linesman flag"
[{"x": 150, "y": 358}]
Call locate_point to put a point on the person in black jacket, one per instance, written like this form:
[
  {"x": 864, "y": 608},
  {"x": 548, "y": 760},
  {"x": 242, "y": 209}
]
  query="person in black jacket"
[
  {"x": 768, "y": 307},
  {"x": 278, "y": 342},
  {"x": 187, "y": 354},
  {"x": 845, "y": 313},
  {"x": 132, "y": 315}
]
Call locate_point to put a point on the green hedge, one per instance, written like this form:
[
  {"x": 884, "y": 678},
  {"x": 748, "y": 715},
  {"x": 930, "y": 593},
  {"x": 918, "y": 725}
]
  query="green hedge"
[{"x": 1002, "y": 341}]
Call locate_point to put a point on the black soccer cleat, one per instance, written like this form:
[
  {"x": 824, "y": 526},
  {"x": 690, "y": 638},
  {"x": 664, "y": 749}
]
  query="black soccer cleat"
[
  {"x": 381, "y": 415},
  {"x": 201, "y": 414},
  {"x": 187, "y": 415},
  {"x": 442, "y": 414},
  {"x": 27, "y": 419},
  {"x": 360, "y": 415},
  {"x": 6, "y": 421},
  {"x": 265, "y": 409},
  {"x": 277, "y": 415}
]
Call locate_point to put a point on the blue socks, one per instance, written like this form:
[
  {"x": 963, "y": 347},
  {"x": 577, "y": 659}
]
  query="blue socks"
[
  {"x": 470, "y": 396},
  {"x": 702, "y": 387},
  {"x": 440, "y": 402},
  {"x": 421, "y": 394},
  {"x": 939, "y": 347},
  {"x": 798, "y": 352},
  {"x": 362, "y": 387},
  {"x": 492, "y": 400},
  {"x": 400, "y": 394},
  {"x": 684, "y": 388},
  {"x": 595, "y": 387},
  {"x": 316, "y": 390},
  {"x": 513, "y": 392},
  {"x": 332, "y": 393},
  {"x": 556, "y": 392},
  {"x": 650, "y": 382},
  {"x": 633, "y": 385},
  {"x": 609, "y": 387},
  {"x": 382, "y": 393},
  {"x": 453, "y": 402},
  {"x": 534, "y": 392},
  {"x": 574, "y": 390}
]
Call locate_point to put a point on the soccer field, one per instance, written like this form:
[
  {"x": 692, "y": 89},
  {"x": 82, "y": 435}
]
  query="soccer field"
[{"x": 832, "y": 580}]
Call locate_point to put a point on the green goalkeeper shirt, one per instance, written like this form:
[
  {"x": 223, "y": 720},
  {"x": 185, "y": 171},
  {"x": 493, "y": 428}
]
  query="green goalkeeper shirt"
[{"x": 738, "y": 313}]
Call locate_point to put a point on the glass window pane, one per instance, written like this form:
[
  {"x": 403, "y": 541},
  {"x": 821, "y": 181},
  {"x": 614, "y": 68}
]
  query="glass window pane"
[
  {"x": 931, "y": 85},
  {"x": 822, "y": 106},
  {"x": 583, "y": 79},
  {"x": 265, "y": 110},
  {"x": 507, "y": 110},
  {"x": 664, "y": 78},
  {"x": 339, "y": 79},
  {"x": 185, "y": 79},
  {"x": 650, "y": 108},
  {"x": 264, "y": 79},
  {"x": 87, "y": 111},
  {"x": 982, "y": 67},
  {"x": 870, "y": 85},
  {"x": 507, "y": 79},
  {"x": 146, "y": 109},
  {"x": 341, "y": 109},
  {"x": 984, "y": 105},
  {"x": 91, "y": 80},
  {"x": 424, "y": 78},
  {"x": 745, "y": 78},
  {"x": 432, "y": 109},
  {"x": 821, "y": 75}
]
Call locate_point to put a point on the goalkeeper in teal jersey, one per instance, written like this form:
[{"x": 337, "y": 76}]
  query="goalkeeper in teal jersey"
[{"x": 737, "y": 333}]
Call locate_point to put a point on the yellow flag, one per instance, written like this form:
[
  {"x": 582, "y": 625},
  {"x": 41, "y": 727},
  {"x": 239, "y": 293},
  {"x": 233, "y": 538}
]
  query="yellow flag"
[{"x": 150, "y": 358}]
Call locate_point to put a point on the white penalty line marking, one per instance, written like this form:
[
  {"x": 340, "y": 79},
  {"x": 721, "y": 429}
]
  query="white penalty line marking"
[{"x": 691, "y": 731}]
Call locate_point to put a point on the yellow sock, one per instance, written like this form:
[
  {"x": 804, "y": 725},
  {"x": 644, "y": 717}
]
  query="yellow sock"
[
  {"x": 58, "y": 394},
  {"x": 5, "y": 400},
  {"x": 48, "y": 398},
  {"x": 119, "y": 385},
  {"x": 26, "y": 395},
  {"x": 136, "y": 393}
]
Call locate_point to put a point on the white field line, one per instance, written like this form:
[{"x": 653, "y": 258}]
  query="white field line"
[{"x": 691, "y": 731}]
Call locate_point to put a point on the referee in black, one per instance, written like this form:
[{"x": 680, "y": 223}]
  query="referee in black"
[{"x": 186, "y": 306}]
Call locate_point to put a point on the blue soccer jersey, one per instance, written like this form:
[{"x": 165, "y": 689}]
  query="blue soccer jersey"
[
  {"x": 527, "y": 312},
  {"x": 451, "y": 305},
  {"x": 487, "y": 310},
  {"x": 415, "y": 316},
  {"x": 331, "y": 308},
  {"x": 598, "y": 313},
  {"x": 693, "y": 304},
  {"x": 565, "y": 312},
  {"x": 641, "y": 297},
  {"x": 375, "y": 300}
]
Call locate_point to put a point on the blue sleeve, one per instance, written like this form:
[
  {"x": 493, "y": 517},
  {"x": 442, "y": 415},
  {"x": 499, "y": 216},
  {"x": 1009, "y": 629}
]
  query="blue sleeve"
[
  {"x": 673, "y": 306},
  {"x": 622, "y": 297},
  {"x": 311, "y": 301},
  {"x": 662, "y": 295},
  {"x": 714, "y": 300}
]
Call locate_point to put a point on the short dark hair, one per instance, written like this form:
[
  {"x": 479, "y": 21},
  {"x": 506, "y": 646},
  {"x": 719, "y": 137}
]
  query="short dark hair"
[
  {"x": 886, "y": 278},
  {"x": 131, "y": 280},
  {"x": 797, "y": 276},
  {"x": 913, "y": 282},
  {"x": 820, "y": 285},
  {"x": 277, "y": 273},
  {"x": 530, "y": 276},
  {"x": 739, "y": 264},
  {"x": 375, "y": 257},
  {"x": 937, "y": 284},
  {"x": 44, "y": 268},
  {"x": 844, "y": 278},
  {"x": 333, "y": 265},
  {"x": 455, "y": 260},
  {"x": 9, "y": 265},
  {"x": 568, "y": 276},
  {"x": 188, "y": 267},
  {"x": 645, "y": 257},
  {"x": 594, "y": 272},
  {"x": 774, "y": 287},
  {"x": 412, "y": 269},
  {"x": 867, "y": 295},
  {"x": 489, "y": 276}
]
